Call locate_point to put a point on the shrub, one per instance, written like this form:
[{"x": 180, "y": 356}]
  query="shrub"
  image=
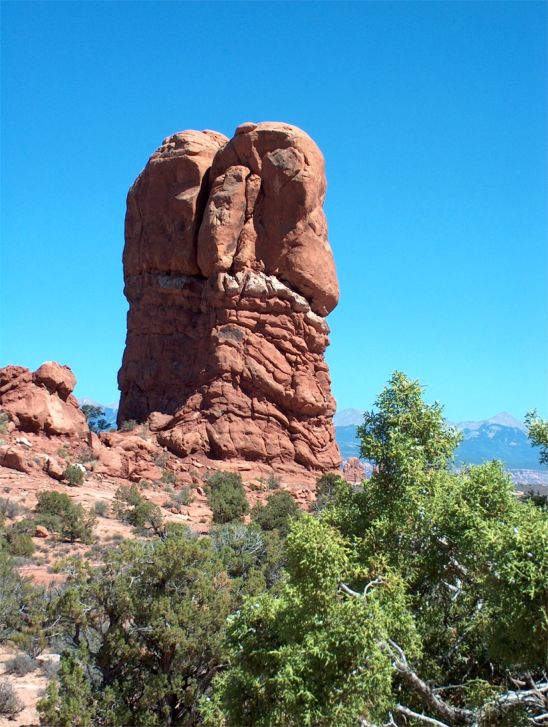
[
  {"x": 74, "y": 474},
  {"x": 10, "y": 508},
  {"x": 20, "y": 544},
  {"x": 131, "y": 507},
  {"x": 10, "y": 704},
  {"x": 50, "y": 669},
  {"x": 160, "y": 460},
  {"x": 21, "y": 664},
  {"x": 154, "y": 616},
  {"x": 327, "y": 486},
  {"x": 4, "y": 419},
  {"x": 276, "y": 513},
  {"x": 226, "y": 496},
  {"x": 128, "y": 426},
  {"x": 101, "y": 508},
  {"x": 58, "y": 512},
  {"x": 180, "y": 498},
  {"x": 63, "y": 452},
  {"x": 169, "y": 477},
  {"x": 273, "y": 481}
]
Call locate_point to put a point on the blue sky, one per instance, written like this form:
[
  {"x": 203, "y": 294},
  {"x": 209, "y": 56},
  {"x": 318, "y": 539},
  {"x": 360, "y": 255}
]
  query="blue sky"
[{"x": 432, "y": 120}]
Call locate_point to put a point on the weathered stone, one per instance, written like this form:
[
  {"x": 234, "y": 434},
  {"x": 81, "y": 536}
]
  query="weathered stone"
[
  {"x": 229, "y": 275},
  {"x": 42, "y": 402}
]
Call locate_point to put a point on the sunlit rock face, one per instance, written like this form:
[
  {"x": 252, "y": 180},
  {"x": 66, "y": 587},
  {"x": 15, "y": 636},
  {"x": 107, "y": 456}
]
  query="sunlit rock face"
[{"x": 229, "y": 277}]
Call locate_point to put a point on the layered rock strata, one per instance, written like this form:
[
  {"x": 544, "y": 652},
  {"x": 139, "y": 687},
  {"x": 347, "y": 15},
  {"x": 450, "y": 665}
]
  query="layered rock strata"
[{"x": 229, "y": 277}]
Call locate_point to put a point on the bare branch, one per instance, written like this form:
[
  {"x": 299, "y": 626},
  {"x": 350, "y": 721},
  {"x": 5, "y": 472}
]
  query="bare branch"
[
  {"x": 427, "y": 720},
  {"x": 454, "y": 715}
]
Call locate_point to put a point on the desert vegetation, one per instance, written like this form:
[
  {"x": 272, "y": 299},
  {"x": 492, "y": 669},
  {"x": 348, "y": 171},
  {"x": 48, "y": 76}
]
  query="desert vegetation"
[{"x": 418, "y": 597}]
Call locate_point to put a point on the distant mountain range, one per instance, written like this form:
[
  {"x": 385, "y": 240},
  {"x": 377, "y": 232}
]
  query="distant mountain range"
[{"x": 502, "y": 437}]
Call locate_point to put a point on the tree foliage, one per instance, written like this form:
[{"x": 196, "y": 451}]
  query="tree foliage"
[
  {"x": 95, "y": 417},
  {"x": 276, "y": 513},
  {"x": 538, "y": 434},
  {"x": 56, "y": 511},
  {"x": 145, "y": 633},
  {"x": 226, "y": 496},
  {"x": 420, "y": 596}
]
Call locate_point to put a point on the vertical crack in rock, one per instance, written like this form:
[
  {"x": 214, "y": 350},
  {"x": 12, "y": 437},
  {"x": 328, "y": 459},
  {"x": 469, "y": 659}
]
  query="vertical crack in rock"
[{"x": 229, "y": 277}]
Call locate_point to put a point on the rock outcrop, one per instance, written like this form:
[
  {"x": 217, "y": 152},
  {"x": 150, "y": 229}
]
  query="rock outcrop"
[
  {"x": 42, "y": 401},
  {"x": 229, "y": 277}
]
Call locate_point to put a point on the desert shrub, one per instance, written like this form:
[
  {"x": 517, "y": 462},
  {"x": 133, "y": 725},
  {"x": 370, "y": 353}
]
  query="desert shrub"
[
  {"x": 226, "y": 496},
  {"x": 252, "y": 558},
  {"x": 20, "y": 544},
  {"x": 4, "y": 420},
  {"x": 57, "y": 512},
  {"x": 328, "y": 486},
  {"x": 169, "y": 477},
  {"x": 101, "y": 508},
  {"x": 10, "y": 508},
  {"x": 160, "y": 460},
  {"x": 21, "y": 664},
  {"x": 131, "y": 507},
  {"x": 276, "y": 513},
  {"x": 10, "y": 704},
  {"x": 63, "y": 452},
  {"x": 84, "y": 454},
  {"x": 128, "y": 426},
  {"x": 180, "y": 498},
  {"x": 74, "y": 474},
  {"x": 154, "y": 617},
  {"x": 49, "y": 668},
  {"x": 273, "y": 482}
]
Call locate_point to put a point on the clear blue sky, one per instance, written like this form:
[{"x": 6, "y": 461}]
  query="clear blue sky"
[{"x": 432, "y": 120}]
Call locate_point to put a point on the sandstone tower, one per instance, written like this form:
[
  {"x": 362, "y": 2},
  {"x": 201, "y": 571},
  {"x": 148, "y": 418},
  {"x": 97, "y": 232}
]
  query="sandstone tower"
[{"x": 229, "y": 276}]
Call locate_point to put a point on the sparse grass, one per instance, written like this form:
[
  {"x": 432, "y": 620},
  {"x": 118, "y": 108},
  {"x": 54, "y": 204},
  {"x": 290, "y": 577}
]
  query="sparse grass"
[{"x": 63, "y": 452}]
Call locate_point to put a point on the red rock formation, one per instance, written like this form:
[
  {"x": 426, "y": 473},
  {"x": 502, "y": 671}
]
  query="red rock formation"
[
  {"x": 229, "y": 276},
  {"x": 353, "y": 471},
  {"x": 42, "y": 401}
]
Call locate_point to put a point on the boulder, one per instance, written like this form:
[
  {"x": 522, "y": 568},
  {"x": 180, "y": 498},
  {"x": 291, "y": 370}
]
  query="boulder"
[
  {"x": 14, "y": 458},
  {"x": 54, "y": 468},
  {"x": 42, "y": 401}
]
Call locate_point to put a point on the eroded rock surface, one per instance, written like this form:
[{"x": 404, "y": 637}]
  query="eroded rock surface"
[
  {"x": 229, "y": 276},
  {"x": 42, "y": 401}
]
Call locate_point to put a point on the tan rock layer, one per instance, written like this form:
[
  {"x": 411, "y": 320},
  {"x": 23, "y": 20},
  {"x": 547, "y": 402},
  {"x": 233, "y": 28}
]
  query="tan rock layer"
[{"x": 229, "y": 273}]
